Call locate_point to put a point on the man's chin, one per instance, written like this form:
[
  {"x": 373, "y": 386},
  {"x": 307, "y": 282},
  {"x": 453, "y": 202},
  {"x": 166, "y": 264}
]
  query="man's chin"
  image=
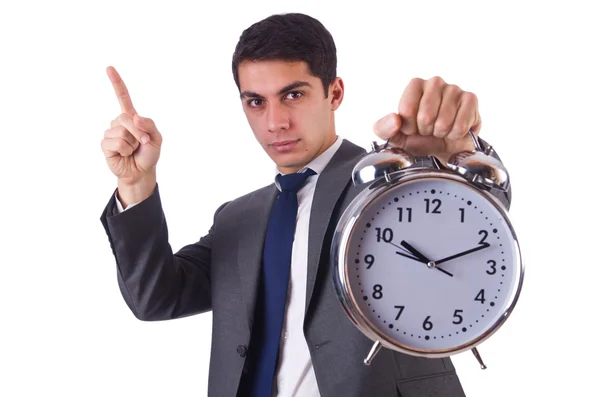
[{"x": 289, "y": 163}]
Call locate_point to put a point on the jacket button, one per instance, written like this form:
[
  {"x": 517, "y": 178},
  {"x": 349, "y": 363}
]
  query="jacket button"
[{"x": 242, "y": 351}]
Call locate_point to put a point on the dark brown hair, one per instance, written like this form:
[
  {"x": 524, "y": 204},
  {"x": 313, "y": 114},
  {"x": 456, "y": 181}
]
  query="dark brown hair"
[{"x": 289, "y": 37}]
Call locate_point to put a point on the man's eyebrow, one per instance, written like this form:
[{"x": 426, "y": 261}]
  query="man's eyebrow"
[
  {"x": 289, "y": 87},
  {"x": 250, "y": 94},
  {"x": 295, "y": 84}
]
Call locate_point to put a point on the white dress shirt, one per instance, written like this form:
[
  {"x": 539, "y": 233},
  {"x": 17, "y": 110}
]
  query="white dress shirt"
[{"x": 295, "y": 373}]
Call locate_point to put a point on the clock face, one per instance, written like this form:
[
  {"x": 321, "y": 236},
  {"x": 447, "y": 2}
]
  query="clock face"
[{"x": 432, "y": 265}]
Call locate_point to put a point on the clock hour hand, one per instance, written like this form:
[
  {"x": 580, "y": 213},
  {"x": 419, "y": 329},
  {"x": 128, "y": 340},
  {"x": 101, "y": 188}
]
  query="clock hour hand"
[
  {"x": 422, "y": 258},
  {"x": 467, "y": 252},
  {"x": 414, "y": 251},
  {"x": 405, "y": 252}
]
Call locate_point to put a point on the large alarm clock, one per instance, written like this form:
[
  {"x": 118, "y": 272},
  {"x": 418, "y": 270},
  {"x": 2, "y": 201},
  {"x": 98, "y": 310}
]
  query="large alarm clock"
[{"x": 425, "y": 259}]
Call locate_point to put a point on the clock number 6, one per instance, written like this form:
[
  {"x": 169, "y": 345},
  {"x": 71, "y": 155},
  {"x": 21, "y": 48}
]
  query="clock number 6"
[{"x": 427, "y": 325}]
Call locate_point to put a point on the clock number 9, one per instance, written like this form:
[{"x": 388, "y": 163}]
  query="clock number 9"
[{"x": 369, "y": 259}]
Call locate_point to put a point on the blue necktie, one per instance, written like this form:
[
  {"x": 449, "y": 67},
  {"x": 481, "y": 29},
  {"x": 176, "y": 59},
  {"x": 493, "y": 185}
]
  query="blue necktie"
[{"x": 272, "y": 296}]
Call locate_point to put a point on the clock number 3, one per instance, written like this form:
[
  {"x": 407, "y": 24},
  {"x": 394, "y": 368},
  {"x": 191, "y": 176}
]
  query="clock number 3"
[{"x": 492, "y": 268}]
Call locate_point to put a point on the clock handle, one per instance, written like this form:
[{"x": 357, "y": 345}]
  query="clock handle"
[
  {"x": 489, "y": 150},
  {"x": 374, "y": 350},
  {"x": 475, "y": 141},
  {"x": 478, "y": 357}
]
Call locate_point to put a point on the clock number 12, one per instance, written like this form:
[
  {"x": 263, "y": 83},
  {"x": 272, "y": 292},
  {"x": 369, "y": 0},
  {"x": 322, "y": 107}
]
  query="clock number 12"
[{"x": 436, "y": 202}]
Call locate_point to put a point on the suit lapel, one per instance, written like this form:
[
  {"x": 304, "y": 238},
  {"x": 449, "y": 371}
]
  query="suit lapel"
[
  {"x": 253, "y": 229},
  {"x": 330, "y": 185}
]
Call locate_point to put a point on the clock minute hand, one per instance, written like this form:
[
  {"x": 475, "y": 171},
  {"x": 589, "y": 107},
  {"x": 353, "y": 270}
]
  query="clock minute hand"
[{"x": 467, "y": 252}]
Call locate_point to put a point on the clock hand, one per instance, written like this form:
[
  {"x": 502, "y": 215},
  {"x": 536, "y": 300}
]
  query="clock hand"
[
  {"x": 444, "y": 271},
  {"x": 414, "y": 251},
  {"x": 483, "y": 246},
  {"x": 405, "y": 252},
  {"x": 427, "y": 263},
  {"x": 409, "y": 256},
  {"x": 422, "y": 258},
  {"x": 419, "y": 260}
]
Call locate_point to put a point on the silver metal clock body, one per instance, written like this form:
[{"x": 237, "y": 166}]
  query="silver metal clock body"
[{"x": 415, "y": 306}]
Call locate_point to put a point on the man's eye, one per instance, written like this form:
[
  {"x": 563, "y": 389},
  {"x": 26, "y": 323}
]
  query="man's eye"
[
  {"x": 254, "y": 102},
  {"x": 294, "y": 95}
]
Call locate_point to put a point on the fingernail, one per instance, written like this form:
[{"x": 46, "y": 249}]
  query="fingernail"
[
  {"x": 145, "y": 138},
  {"x": 390, "y": 123}
]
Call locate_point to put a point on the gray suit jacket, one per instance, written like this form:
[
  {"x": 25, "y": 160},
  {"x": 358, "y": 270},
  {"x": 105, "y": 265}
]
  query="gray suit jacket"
[{"x": 220, "y": 273}]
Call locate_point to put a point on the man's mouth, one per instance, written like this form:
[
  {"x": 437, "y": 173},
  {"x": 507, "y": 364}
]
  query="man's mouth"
[{"x": 284, "y": 146}]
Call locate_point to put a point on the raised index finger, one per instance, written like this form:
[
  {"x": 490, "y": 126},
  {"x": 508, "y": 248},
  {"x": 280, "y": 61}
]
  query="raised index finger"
[{"x": 121, "y": 91}]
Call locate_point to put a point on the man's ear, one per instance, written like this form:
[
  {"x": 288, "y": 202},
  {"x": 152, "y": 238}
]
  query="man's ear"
[{"x": 336, "y": 93}]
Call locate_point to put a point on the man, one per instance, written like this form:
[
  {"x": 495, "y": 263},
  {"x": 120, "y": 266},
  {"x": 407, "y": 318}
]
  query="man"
[{"x": 278, "y": 327}]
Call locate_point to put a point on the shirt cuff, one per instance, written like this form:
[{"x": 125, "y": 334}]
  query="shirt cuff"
[{"x": 120, "y": 206}]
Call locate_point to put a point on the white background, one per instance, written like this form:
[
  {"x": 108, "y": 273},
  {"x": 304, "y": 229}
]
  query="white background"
[{"x": 64, "y": 328}]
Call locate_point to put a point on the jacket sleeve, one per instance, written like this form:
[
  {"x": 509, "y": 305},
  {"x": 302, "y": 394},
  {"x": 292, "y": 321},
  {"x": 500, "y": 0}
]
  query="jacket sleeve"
[{"x": 156, "y": 283}]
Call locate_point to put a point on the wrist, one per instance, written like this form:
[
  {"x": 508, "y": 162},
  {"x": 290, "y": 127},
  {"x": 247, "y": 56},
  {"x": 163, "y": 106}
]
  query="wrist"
[{"x": 135, "y": 192}]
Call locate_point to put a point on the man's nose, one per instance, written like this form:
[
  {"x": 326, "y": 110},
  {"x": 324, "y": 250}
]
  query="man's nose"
[{"x": 277, "y": 118}]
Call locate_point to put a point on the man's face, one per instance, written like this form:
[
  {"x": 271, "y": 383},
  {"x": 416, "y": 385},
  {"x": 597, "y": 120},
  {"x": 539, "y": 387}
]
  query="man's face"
[{"x": 287, "y": 110}]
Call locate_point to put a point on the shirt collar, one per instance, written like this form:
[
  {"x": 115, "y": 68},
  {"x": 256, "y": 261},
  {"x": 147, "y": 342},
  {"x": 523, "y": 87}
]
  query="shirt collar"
[{"x": 319, "y": 163}]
